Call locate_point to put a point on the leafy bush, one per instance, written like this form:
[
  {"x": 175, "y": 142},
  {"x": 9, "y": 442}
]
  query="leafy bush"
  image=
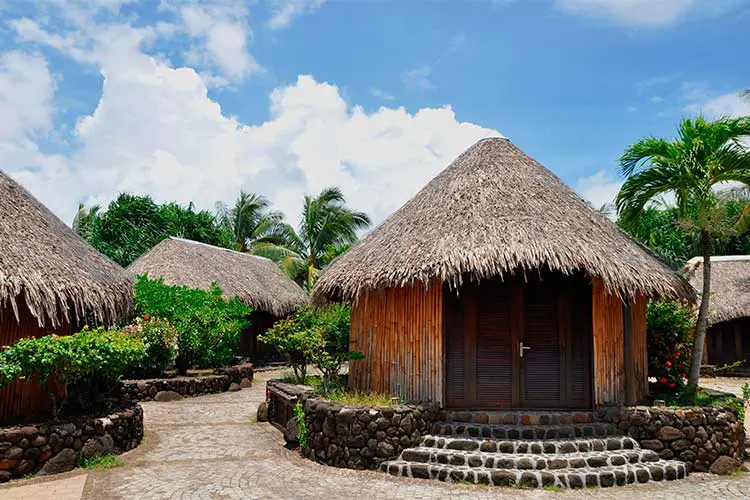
[
  {"x": 319, "y": 337},
  {"x": 159, "y": 339},
  {"x": 208, "y": 325},
  {"x": 85, "y": 363},
  {"x": 299, "y": 417},
  {"x": 670, "y": 328}
]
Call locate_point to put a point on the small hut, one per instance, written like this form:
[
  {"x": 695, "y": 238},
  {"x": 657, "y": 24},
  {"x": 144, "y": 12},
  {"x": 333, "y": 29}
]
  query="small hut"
[
  {"x": 256, "y": 281},
  {"x": 51, "y": 281},
  {"x": 497, "y": 286},
  {"x": 729, "y": 307}
]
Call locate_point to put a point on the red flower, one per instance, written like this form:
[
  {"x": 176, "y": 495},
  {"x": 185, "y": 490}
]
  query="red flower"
[
  {"x": 683, "y": 375},
  {"x": 672, "y": 385},
  {"x": 146, "y": 318},
  {"x": 663, "y": 380},
  {"x": 668, "y": 363}
]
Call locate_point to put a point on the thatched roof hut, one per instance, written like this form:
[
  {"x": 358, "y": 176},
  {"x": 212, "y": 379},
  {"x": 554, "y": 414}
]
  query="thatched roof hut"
[
  {"x": 46, "y": 266},
  {"x": 497, "y": 286},
  {"x": 256, "y": 281},
  {"x": 730, "y": 286},
  {"x": 492, "y": 211}
]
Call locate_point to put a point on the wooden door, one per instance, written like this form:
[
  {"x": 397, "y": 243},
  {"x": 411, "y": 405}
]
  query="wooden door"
[{"x": 485, "y": 326}]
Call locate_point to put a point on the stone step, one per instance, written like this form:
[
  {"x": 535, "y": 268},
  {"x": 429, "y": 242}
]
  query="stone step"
[
  {"x": 527, "y": 461},
  {"x": 562, "y": 478},
  {"x": 520, "y": 417},
  {"x": 551, "y": 447},
  {"x": 500, "y": 431}
]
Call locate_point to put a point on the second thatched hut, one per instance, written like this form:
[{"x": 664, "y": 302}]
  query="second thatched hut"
[
  {"x": 256, "y": 281},
  {"x": 497, "y": 286},
  {"x": 728, "y": 335}
]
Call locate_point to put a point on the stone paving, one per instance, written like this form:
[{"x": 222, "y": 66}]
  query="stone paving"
[{"x": 210, "y": 448}]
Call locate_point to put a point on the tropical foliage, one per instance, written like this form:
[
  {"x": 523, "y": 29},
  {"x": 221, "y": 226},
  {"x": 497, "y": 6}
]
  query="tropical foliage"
[
  {"x": 87, "y": 364},
  {"x": 670, "y": 340},
  {"x": 132, "y": 225},
  {"x": 704, "y": 155},
  {"x": 317, "y": 337},
  {"x": 250, "y": 221},
  {"x": 327, "y": 228},
  {"x": 208, "y": 326},
  {"x": 159, "y": 340}
]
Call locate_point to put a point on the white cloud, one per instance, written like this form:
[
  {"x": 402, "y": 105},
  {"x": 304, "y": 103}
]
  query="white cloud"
[
  {"x": 599, "y": 189},
  {"x": 156, "y": 130},
  {"x": 223, "y": 31},
  {"x": 285, "y": 11},
  {"x": 731, "y": 104},
  {"x": 637, "y": 13},
  {"x": 418, "y": 78},
  {"x": 381, "y": 94}
]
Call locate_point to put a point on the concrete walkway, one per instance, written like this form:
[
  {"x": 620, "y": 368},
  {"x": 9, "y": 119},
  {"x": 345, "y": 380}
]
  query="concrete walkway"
[{"x": 210, "y": 448}]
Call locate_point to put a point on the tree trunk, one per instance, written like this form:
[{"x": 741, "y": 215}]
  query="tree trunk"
[{"x": 702, "y": 323}]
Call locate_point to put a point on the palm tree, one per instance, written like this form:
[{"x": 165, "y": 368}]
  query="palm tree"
[
  {"x": 704, "y": 154},
  {"x": 250, "y": 221},
  {"x": 327, "y": 227},
  {"x": 83, "y": 222}
]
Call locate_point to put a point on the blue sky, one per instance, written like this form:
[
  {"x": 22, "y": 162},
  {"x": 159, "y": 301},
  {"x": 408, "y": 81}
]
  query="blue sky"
[{"x": 193, "y": 101}]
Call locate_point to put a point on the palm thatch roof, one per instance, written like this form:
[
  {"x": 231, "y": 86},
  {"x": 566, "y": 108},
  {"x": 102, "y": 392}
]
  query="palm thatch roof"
[
  {"x": 494, "y": 211},
  {"x": 45, "y": 265},
  {"x": 256, "y": 281},
  {"x": 730, "y": 286}
]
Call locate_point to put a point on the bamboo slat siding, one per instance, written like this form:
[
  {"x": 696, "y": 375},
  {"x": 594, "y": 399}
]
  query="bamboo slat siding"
[
  {"x": 610, "y": 382},
  {"x": 640, "y": 347},
  {"x": 21, "y": 398},
  {"x": 400, "y": 333},
  {"x": 609, "y": 346}
]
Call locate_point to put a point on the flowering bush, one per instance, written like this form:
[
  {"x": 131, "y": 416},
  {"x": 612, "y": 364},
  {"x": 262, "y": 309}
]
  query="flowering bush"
[
  {"x": 159, "y": 338},
  {"x": 670, "y": 326}
]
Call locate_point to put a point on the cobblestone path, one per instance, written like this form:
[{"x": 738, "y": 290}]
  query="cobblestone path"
[{"x": 210, "y": 448}]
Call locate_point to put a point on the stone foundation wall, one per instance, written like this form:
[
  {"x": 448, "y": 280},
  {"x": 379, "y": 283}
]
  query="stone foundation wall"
[
  {"x": 51, "y": 448},
  {"x": 360, "y": 437},
  {"x": 220, "y": 381},
  {"x": 697, "y": 436}
]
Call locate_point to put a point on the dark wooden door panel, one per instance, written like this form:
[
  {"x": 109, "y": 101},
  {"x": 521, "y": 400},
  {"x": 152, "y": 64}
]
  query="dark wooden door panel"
[
  {"x": 542, "y": 363},
  {"x": 455, "y": 387},
  {"x": 494, "y": 346}
]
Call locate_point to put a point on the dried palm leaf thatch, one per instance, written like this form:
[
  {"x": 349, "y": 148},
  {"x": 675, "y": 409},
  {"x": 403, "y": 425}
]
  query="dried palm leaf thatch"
[
  {"x": 50, "y": 269},
  {"x": 256, "y": 281},
  {"x": 492, "y": 212},
  {"x": 730, "y": 286}
]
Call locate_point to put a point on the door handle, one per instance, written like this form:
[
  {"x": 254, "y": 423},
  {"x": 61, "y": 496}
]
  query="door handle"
[{"x": 522, "y": 348}]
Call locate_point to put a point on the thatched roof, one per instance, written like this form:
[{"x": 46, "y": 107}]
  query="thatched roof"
[
  {"x": 256, "y": 281},
  {"x": 45, "y": 264},
  {"x": 492, "y": 211},
  {"x": 730, "y": 286}
]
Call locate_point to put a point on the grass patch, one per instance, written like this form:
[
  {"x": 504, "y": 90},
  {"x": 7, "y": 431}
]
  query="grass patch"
[
  {"x": 552, "y": 487},
  {"x": 362, "y": 398},
  {"x": 100, "y": 462},
  {"x": 704, "y": 398}
]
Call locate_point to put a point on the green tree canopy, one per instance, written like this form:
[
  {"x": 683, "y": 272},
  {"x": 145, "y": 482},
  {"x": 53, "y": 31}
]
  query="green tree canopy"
[
  {"x": 250, "y": 221},
  {"x": 131, "y": 225},
  {"x": 704, "y": 155},
  {"x": 327, "y": 227}
]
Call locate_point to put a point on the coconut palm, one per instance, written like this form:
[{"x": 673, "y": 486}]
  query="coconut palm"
[
  {"x": 327, "y": 227},
  {"x": 704, "y": 154},
  {"x": 250, "y": 221}
]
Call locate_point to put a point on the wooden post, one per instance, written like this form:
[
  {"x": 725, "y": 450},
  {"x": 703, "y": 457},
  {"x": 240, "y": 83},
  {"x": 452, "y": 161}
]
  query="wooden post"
[{"x": 631, "y": 388}]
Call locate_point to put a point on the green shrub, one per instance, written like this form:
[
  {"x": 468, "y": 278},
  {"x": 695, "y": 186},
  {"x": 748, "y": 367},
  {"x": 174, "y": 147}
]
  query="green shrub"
[
  {"x": 209, "y": 326},
  {"x": 159, "y": 339},
  {"x": 88, "y": 363},
  {"x": 319, "y": 337},
  {"x": 299, "y": 417},
  {"x": 670, "y": 326}
]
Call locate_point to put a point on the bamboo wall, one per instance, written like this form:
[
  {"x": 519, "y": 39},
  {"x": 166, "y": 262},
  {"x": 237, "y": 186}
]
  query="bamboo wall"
[
  {"x": 611, "y": 383},
  {"x": 20, "y": 398},
  {"x": 400, "y": 333}
]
